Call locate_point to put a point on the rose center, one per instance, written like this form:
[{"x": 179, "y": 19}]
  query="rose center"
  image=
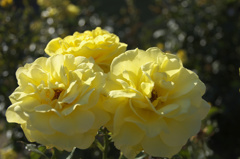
[
  {"x": 154, "y": 95},
  {"x": 57, "y": 93}
]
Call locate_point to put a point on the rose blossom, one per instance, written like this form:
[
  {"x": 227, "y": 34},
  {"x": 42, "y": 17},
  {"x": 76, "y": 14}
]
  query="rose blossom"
[
  {"x": 156, "y": 103},
  {"x": 99, "y": 44},
  {"x": 56, "y": 102}
]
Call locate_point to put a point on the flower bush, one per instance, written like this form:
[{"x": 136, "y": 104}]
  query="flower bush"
[
  {"x": 56, "y": 102},
  {"x": 146, "y": 99}
]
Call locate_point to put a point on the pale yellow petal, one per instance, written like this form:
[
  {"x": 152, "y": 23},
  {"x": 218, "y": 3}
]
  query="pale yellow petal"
[
  {"x": 180, "y": 131},
  {"x": 43, "y": 108},
  {"x": 151, "y": 127},
  {"x": 38, "y": 75},
  {"x": 83, "y": 141},
  {"x": 71, "y": 93},
  {"x": 53, "y": 46},
  {"x": 184, "y": 82},
  {"x": 14, "y": 114},
  {"x": 34, "y": 135},
  {"x": 122, "y": 93},
  {"x": 156, "y": 147},
  {"x": 29, "y": 103},
  {"x": 77, "y": 121},
  {"x": 56, "y": 62},
  {"x": 127, "y": 135},
  {"x": 40, "y": 121},
  {"x": 130, "y": 59},
  {"x": 101, "y": 116},
  {"x": 131, "y": 151}
]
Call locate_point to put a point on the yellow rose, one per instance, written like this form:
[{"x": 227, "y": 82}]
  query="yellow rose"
[
  {"x": 56, "y": 102},
  {"x": 155, "y": 102},
  {"x": 73, "y": 9},
  {"x": 99, "y": 44},
  {"x": 5, "y": 3}
]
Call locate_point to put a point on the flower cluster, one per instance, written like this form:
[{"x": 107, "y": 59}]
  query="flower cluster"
[{"x": 146, "y": 99}]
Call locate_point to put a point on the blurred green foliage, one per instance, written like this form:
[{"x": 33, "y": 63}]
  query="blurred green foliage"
[{"x": 206, "y": 33}]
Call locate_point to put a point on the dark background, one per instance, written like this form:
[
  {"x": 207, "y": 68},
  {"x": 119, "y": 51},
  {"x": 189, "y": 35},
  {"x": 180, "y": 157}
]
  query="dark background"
[{"x": 205, "y": 32}]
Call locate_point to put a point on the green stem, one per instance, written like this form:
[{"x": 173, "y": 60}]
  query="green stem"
[
  {"x": 121, "y": 155},
  {"x": 103, "y": 147},
  {"x": 106, "y": 143},
  {"x": 99, "y": 145}
]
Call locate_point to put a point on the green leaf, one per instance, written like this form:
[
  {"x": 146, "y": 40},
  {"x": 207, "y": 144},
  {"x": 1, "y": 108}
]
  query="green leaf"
[
  {"x": 213, "y": 111},
  {"x": 34, "y": 148}
]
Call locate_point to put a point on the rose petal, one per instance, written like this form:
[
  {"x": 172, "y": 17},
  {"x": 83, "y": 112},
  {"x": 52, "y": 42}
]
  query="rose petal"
[
  {"x": 127, "y": 135},
  {"x": 77, "y": 121},
  {"x": 180, "y": 131},
  {"x": 156, "y": 147},
  {"x": 14, "y": 114}
]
